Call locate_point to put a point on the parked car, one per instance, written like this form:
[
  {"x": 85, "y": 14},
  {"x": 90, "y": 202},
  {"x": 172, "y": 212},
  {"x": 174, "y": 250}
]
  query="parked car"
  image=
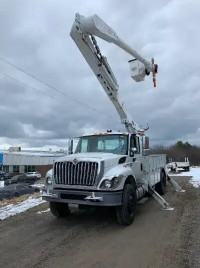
[
  {"x": 27, "y": 179},
  {"x": 16, "y": 190},
  {"x": 34, "y": 174},
  {"x": 14, "y": 179},
  {"x": 21, "y": 179},
  {"x": 7, "y": 175}
]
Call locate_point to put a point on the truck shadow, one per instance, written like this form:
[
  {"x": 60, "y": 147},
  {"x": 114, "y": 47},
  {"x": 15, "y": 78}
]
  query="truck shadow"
[{"x": 89, "y": 215}]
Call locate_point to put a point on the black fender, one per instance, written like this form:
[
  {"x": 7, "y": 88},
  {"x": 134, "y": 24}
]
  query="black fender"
[{"x": 131, "y": 180}]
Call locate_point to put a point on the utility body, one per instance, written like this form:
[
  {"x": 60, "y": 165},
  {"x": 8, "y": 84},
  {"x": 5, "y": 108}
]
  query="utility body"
[{"x": 108, "y": 168}]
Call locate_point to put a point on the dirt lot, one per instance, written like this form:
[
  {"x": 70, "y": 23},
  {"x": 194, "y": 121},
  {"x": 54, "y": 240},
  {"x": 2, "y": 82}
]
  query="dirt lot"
[{"x": 157, "y": 238}]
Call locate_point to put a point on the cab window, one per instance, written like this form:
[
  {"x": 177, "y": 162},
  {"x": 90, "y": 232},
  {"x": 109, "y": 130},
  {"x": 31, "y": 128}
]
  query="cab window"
[
  {"x": 135, "y": 142},
  {"x": 84, "y": 146}
]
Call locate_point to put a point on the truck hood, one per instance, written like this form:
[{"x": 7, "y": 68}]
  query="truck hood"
[{"x": 108, "y": 158}]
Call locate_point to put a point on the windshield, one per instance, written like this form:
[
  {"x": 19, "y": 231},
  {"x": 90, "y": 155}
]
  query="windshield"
[{"x": 116, "y": 144}]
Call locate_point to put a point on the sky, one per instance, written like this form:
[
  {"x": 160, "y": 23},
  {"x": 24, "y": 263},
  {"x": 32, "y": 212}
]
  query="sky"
[{"x": 34, "y": 36}]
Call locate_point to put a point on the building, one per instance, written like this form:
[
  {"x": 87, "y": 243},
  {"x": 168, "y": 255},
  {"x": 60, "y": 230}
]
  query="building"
[{"x": 13, "y": 161}]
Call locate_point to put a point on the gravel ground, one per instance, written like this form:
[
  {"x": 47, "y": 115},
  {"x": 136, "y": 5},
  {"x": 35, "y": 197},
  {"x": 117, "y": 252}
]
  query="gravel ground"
[
  {"x": 157, "y": 238},
  {"x": 188, "y": 252}
]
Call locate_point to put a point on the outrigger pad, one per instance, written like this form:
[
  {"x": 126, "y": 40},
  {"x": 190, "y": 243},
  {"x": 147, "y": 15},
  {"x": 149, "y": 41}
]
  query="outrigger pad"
[
  {"x": 175, "y": 185},
  {"x": 159, "y": 199}
]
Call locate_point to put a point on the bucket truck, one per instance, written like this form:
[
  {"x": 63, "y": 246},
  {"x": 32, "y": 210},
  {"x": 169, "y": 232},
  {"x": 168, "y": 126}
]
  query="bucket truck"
[{"x": 109, "y": 168}]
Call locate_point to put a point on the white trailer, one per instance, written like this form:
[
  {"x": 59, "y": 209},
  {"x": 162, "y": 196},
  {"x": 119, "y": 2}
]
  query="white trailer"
[
  {"x": 184, "y": 165},
  {"x": 108, "y": 168}
]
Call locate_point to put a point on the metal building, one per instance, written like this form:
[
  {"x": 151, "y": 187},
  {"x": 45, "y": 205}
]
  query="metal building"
[{"x": 27, "y": 161}]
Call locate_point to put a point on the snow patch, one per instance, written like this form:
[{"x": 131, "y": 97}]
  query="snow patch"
[
  {"x": 11, "y": 210},
  {"x": 194, "y": 173}
]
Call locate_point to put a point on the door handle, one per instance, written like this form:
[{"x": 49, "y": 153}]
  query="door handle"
[{"x": 141, "y": 166}]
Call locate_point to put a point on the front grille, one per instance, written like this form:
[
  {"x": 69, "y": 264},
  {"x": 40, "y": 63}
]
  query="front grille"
[{"x": 83, "y": 173}]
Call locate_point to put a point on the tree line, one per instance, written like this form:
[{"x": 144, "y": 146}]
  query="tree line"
[{"x": 179, "y": 151}]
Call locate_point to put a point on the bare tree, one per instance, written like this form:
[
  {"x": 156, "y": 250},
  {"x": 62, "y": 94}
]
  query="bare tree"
[{"x": 179, "y": 151}]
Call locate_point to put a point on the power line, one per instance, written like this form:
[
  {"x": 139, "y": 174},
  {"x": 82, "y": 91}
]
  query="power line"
[
  {"x": 46, "y": 84},
  {"x": 25, "y": 85}
]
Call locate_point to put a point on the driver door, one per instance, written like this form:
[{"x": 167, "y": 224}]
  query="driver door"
[{"x": 136, "y": 157}]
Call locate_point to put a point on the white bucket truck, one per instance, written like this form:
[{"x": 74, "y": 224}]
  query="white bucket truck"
[{"x": 108, "y": 168}]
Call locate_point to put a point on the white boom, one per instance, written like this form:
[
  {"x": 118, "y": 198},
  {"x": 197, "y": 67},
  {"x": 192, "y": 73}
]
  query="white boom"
[{"x": 83, "y": 32}]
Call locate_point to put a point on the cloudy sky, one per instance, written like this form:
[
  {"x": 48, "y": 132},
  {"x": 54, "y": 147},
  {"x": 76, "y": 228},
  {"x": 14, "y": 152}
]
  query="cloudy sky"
[{"x": 34, "y": 36}]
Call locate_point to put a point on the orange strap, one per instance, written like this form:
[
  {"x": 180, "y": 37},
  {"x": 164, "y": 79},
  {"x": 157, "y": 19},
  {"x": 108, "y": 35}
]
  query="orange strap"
[{"x": 153, "y": 73}]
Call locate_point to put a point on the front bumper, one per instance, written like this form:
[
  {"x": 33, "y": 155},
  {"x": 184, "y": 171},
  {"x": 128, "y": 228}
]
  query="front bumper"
[{"x": 93, "y": 198}]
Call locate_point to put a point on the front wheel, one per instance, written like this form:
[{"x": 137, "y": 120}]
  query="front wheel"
[
  {"x": 126, "y": 212},
  {"x": 59, "y": 210}
]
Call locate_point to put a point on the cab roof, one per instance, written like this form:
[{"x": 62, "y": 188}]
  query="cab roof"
[{"x": 105, "y": 133}]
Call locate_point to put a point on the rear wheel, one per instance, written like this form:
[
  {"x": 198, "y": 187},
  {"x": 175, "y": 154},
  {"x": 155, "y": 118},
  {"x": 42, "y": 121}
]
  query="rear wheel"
[
  {"x": 161, "y": 185},
  {"x": 126, "y": 212},
  {"x": 59, "y": 210}
]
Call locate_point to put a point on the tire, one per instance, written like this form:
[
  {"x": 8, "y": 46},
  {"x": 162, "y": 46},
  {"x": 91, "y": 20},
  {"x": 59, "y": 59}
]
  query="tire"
[
  {"x": 161, "y": 185},
  {"x": 16, "y": 194},
  {"x": 59, "y": 210},
  {"x": 36, "y": 190},
  {"x": 126, "y": 212}
]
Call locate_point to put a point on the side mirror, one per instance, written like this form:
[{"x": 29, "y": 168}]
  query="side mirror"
[
  {"x": 70, "y": 146},
  {"x": 146, "y": 143},
  {"x": 132, "y": 151},
  {"x": 146, "y": 146}
]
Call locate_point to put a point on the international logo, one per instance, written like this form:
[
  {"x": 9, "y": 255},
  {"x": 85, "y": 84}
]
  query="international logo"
[{"x": 75, "y": 161}]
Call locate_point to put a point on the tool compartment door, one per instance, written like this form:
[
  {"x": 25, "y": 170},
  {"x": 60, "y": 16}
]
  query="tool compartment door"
[
  {"x": 151, "y": 171},
  {"x": 156, "y": 163}
]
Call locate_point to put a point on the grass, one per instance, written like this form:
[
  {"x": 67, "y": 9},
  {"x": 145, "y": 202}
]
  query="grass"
[{"x": 17, "y": 200}]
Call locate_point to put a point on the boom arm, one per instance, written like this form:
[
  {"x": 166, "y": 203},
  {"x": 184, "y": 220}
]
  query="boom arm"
[{"x": 83, "y": 32}]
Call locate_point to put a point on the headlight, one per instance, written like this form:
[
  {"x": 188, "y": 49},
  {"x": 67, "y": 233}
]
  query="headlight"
[
  {"x": 49, "y": 180},
  {"x": 111, "y": 184}
]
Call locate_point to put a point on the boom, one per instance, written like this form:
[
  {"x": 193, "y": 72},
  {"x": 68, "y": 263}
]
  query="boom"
[{"x": 83, "y": 33}]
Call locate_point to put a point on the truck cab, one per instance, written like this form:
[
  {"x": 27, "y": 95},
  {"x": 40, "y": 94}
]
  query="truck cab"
[{"x": 99, "y": 170}]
